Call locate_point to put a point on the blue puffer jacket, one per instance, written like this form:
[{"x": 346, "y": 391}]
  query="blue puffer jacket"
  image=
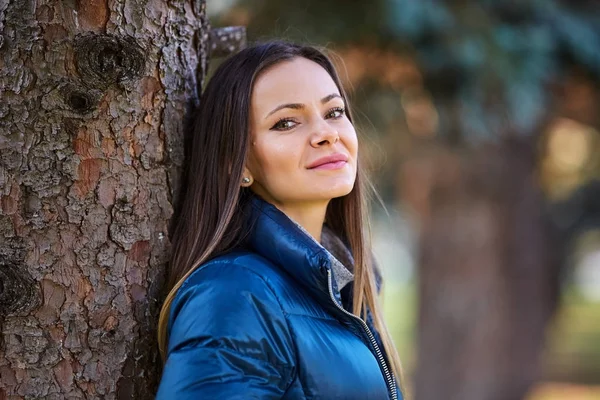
[{"x": 268, "y": 322}]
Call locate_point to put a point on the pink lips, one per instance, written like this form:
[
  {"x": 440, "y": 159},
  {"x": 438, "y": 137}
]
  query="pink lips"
[{"x": 334, "y": 161}]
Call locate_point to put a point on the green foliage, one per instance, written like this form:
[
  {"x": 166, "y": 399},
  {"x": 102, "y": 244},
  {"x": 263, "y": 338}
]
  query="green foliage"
[{"x": 499, "y": 56}]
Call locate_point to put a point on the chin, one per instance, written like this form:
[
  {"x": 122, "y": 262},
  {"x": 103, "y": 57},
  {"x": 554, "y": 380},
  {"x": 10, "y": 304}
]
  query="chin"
[{"x": 342, "y": 190}]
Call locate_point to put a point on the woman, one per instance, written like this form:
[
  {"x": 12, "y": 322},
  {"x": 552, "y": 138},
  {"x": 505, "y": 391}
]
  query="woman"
[{"x": 273, "y": 292}]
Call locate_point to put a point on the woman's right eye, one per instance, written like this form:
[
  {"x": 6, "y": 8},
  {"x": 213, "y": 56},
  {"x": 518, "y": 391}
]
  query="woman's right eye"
[{"x": 284, "y": 124}]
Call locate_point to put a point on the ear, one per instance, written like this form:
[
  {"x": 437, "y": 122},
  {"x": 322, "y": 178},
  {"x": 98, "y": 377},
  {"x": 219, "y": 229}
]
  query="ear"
[{"x": 247, "y": 178}]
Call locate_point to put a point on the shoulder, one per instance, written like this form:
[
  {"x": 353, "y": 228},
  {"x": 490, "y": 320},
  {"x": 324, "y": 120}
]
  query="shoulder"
[
  {"x": 229, "y": 298},
  {"x": 241, "y": 270}
]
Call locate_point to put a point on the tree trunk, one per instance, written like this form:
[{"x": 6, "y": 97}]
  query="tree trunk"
[
  {"x": 93, "y": 104},
  {"x": 489, "y": 273}
]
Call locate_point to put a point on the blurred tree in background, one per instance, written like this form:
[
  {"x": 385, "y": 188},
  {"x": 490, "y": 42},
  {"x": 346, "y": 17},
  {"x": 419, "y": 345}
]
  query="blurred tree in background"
[{"x": 487, "y": 112}]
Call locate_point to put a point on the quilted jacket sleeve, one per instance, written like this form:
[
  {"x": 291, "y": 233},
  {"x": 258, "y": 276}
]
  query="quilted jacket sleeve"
[{"x": 228, "y": 339}]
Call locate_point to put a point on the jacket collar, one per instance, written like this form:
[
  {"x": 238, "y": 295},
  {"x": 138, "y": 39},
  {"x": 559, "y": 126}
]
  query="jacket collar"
[{"x": 282, "y": 241}]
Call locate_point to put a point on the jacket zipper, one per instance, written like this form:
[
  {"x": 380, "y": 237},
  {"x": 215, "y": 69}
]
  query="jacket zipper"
[{"x": 390, "y": 381}]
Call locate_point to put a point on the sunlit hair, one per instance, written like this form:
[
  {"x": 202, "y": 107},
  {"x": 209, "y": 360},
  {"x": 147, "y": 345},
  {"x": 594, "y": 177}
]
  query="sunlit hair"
[{"x": 212, "y": 214}]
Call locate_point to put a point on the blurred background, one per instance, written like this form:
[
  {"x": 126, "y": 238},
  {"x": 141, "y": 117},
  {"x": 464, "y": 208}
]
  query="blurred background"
[{"x": 479, "y": 123}]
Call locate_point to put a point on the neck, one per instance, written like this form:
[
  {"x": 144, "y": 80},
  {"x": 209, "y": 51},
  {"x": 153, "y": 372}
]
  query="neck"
[{"x": 310, "y": 217}]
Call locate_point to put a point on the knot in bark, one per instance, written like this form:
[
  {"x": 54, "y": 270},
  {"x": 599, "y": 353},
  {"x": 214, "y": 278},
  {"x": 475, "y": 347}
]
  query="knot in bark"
[
  {"x": 80, "y": 99},
  {"x": 106, "y": 59},
  {"x": 18, "y": 291}
]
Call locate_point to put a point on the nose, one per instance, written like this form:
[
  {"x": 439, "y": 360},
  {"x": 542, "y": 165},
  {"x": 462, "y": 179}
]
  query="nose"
[{"x": 323, "y": 134}]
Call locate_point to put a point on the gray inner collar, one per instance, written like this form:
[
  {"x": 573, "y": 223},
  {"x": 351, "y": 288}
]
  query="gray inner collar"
[{"x": 342, "y": 262}]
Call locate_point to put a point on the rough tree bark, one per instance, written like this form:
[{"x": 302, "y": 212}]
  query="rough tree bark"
[{"x": 93, "y": 102}]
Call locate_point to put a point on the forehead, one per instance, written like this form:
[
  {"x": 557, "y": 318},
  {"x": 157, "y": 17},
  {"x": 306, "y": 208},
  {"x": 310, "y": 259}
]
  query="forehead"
[{"x": 295, "y": 81}]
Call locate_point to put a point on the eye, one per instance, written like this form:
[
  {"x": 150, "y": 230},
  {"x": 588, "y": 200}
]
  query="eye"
[
  {"x": 336, "y": 113},
  {"x": 284, "y": 124}
]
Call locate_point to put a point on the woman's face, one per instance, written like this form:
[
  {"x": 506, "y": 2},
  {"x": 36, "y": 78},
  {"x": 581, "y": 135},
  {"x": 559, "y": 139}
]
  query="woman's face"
[{"x": 303, "y": 147}]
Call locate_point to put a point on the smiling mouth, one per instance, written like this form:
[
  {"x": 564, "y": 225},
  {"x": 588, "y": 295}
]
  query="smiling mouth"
[
  {"x": 332, "y": 161},
  {"x": 330, "y": 165}
]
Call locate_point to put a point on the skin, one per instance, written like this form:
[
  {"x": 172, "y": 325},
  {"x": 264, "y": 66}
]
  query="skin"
[{"x": 286, "y": 140}]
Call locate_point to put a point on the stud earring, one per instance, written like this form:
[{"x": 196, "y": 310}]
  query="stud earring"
[{"x": 246, "y": 180}]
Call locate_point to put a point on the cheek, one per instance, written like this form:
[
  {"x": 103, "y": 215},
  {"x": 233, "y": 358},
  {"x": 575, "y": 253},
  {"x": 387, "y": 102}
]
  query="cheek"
[
  {"x": 351, "y": 140},
  {"x": 272, "y": 159}
]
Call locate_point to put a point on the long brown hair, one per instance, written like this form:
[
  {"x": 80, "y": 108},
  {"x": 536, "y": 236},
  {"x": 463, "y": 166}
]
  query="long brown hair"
[{"x": 211, "y": 215}]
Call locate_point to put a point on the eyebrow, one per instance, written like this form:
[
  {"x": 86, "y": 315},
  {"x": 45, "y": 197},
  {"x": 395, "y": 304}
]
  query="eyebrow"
[{"x": 300, "y": 106}]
